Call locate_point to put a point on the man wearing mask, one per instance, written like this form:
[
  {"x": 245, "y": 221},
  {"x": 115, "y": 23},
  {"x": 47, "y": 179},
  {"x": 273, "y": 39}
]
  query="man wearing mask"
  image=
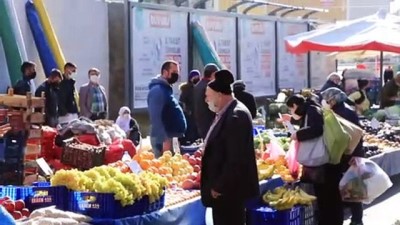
[
  {"x": 23, "y": 86},
  {"x": 186, "y": 100},
  {"x": 229, "y": 172},
  {"x": 390, "y": 92},
  {"x": 68, "y": 107},
  {"x": 50, "y": 88},
  {"x": 166, "y": 115},
  {"x": 202, "y": 114},
  {"x": 93, "y": 98}
]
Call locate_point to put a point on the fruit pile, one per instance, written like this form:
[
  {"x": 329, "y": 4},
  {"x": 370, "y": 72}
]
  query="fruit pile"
[
  {"x": 182, "y": 171},
  {"x": 281, "y": 198},
  {"x": 176, "y": 196},
  {"x": 264, "y": 139},
  {"x": 15, "y": 208},
  {"x": 265, "y": 170},
  {"x": 384, "y": 137},
  {"x": 126, "y": 187},
  {"x": 279, "y": 167}
]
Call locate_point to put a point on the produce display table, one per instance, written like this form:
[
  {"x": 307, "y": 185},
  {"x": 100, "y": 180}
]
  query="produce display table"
[
  {"x": 388, "y": 161},
  {"x": 191, "y": 212}
]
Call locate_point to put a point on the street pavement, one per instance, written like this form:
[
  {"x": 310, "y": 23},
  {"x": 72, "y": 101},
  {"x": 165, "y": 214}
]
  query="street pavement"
[{"x": 385, "y": 210}]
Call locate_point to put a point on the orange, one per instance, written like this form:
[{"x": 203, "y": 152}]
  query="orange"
[
  {"x": 145, "y": 164},
  {"x": 156, "y": 163}
]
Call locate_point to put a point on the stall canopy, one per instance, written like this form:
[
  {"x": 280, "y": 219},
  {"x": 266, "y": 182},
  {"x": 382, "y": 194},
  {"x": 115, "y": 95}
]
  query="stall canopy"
[{"x": 379, "y": 32}]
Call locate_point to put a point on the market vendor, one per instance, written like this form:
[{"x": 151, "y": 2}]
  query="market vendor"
[
  {"x": 360, "y": 97},
  {"x": 390, "y": 92},
  {"x": 129, "y": 125},
  {"x": 50, "y": 88}
]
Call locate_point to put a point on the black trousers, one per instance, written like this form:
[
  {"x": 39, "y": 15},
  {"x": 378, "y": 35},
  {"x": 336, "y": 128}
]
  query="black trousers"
[
  {"x": 98, "y": 116},
  {"x": 357, "y": 211},
  {"x": 229, "y": 212},
  {"x": 330, "y": 205}
]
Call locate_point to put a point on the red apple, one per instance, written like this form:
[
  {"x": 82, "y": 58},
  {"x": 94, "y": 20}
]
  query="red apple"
[
  {"x": 198, "y": 153},
  {"x": 5, "y": 198},
  {"x": 196, "y": 168},
  {"x": 9, "y": 205},
  {"x": 186, "y": 156},
  {"x": 25, "y": 212},
  {"x": 198, "y": 178},
  {"x": 198, "y": 161},
  {"x": 192, "y": 176},
  {"x": 17, "y": 215},
  {"x": 19, "y": 205},
  {"x": 187, "y": 184},
  {"x": 196, "y": 185},
  {"x": 192, "y": 160}
]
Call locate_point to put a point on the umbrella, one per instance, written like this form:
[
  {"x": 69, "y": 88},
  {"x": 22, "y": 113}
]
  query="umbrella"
[
  {"x": 379, "y": 32},
  {"x": 359, "y": 54}
]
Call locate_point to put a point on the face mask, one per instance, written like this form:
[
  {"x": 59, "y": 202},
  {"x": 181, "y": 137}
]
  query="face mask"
[
  {"x": 325, "y": 104},
  {"x": 196, "y": 80},
  {"x": 73, "y": 74},
  {"x": 94, "y": 79},
  {"x": 173, "y": 79},
  {"x": 126, "y": 116},
  {"x": 33, "y": 76}
]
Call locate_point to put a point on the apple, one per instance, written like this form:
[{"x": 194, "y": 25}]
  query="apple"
[
  {"x": 198, "y": 178},
  {"x": 5, "y": 198},
  {"x": 196, "y": 168},
  {"x": 198, "y": 161},
  {"x": 9, "y": 205},
  {"x": 17, "y": 215},
  {"x": 188, "y": 184},
  {"x": 19, "y": 205},
  {"x": 198, "y": 153},
  {"x": 192, "y": 176},
  {"x": 186, "y": 156},
  {"x": 192, "y": 160},
  {"x": 25, "y": 212},
  {"x": 196, "y": 185}
]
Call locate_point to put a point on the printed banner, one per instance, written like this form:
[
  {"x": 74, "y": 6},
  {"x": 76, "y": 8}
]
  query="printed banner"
[
  {"x": 292, "y": 68},
  {"x": 156, "y": 36},
  {"x": 257, "y": 56}
]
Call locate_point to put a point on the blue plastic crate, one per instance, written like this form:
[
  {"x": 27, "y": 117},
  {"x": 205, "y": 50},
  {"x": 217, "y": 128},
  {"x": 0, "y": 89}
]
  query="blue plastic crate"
[
  {"x": 15, "y": 192},
  {"x": 157, "y": 205},
  {"x": 264, "y": 215},
  {"x": 103, "y": 205},
  {"x": 44, "y": 196},
  {"x": 307, "y": 215},
  {"x": 41, "y": 184}
]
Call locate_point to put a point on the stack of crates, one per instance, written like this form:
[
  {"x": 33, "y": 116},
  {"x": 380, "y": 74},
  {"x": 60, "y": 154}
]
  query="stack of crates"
[{"x": 12, "y": 147}]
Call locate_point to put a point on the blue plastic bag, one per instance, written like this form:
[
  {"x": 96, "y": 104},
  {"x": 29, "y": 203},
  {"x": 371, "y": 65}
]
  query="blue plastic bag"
[{"x": 5, "y": 217}]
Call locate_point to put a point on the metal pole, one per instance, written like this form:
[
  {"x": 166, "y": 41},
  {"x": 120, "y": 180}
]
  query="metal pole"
[
  {"x": 128, "y": 79},
  {"x": 381, "y": 69}
]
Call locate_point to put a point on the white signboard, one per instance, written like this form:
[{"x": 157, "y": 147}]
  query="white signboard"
[
  {"x": 222, "y": 33},
  {"x": 257, "y": 56},
  {"x": 292, "y": 68},
  {"x": 321, "y": 66},
  {"x": 156, "y": 36}
]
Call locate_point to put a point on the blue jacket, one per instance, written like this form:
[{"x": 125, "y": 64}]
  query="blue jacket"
[{"x": 166, "y": 115}]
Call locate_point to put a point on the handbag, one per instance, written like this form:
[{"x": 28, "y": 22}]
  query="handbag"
[
  {"x": 312, "y": 152},
  {"x": 355, "y": 133}
]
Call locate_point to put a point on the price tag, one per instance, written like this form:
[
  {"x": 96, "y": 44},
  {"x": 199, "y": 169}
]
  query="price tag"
[
  {"x": 134, "y": 166},
  {"x": 375, "y": 124},
  {"x": 175, "y": 145},
  {"x": 44, "y": 166}
]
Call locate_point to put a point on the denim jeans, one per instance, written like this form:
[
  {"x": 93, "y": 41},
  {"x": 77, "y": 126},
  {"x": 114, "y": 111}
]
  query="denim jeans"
[{"x": 157, "y": 146}]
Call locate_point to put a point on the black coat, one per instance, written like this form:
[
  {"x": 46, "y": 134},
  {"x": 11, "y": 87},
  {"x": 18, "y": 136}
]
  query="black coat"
[
  {"x": 52, "y": 101},
  {"x": 22, "y": 86},
  {"x": 315, "y": 123},
  {"x": 229, "y": 163},
  {"x": 203, "y": 116},
  {"x": 67, "y": 102},
  {"x": 389, "y": 91},
  {"x": 247, "y": 99}
]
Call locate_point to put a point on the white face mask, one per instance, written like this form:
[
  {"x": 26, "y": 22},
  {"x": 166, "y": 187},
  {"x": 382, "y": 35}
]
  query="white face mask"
[
  {"x": 212, "y": 106},
  {"x": 325, "y": 104},
  {"x": 94, "y": 79},
  {"x": 126, "y": 116}
]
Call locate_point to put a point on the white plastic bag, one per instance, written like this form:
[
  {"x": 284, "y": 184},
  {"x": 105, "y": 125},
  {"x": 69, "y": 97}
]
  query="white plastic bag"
[{"x": 363, "y": 182}]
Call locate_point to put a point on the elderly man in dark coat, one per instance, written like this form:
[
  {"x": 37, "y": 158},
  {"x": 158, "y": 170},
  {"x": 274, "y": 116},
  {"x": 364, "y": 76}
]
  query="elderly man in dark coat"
[{"x": 229, "y": 172}]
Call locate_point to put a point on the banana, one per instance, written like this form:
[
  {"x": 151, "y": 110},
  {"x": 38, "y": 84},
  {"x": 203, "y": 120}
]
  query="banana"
[{"x": 304, "y": 195}]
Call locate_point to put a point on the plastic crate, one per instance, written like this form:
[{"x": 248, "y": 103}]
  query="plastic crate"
[
  {"x": 307, "y": 215},
  {"x": 103, "y": 205},
  {"x": 264, "y": 215},
  {"x": 189, "y": 149},
  {"x": 44, "y": 196},
  {"x": 155, "y": 206},
  {"x": 41, "y": 184},
  {"x": 15, "y": 192}
]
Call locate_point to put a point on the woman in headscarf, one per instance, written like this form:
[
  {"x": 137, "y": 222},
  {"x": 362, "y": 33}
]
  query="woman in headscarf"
[
  {"x": 324, "y": 178},
  {"x": 129, "y": 125},
  {"x": 335, "y": 99}
]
